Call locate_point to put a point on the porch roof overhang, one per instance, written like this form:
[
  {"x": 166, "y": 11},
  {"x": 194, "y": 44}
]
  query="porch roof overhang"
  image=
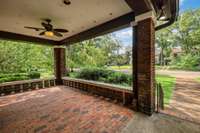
[{"x": 84, "y": 19}]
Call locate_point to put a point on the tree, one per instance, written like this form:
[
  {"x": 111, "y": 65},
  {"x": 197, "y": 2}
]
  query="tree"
[
  {"x": 185, "y": 34},
  {"x": 95, "y": 52},
  {"x": 85, "y": 54},
  {"x": 24, "y": 57},
  {"x": 188, "y": 30},
  {"x": 164, "y": 42}
]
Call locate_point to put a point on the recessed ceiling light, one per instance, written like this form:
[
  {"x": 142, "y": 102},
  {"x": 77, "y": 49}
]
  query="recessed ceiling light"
[{"x": 66, "y": 2}]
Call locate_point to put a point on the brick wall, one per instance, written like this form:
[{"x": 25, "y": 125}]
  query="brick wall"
[
  {"x": 145, "y": 62},
  {"x": 116, "y": 93},
  {"x": 26, "y": 85},
  {"x": 59, "y": 64}
]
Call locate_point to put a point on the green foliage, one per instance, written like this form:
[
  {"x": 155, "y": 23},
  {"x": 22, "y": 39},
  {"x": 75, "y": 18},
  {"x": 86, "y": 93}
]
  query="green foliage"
[
  {"x": 183, "y": 34},
  {"x": 34, "y": 75},
  {"x": 187, "y": 31},
  {"x": 24, "y": 57},
  {"x": 104, "y": 75},
  {"x": 187, "y": 62},
  {"x": 168, "y": 84},
  {"x": 98, "y": 52},
  {"x": 85, "y": 54},
  {"x": 165, "y": 43},
  {"x": 120, "y": 78},
  {"x": 18, "y": 76},
  {"x": 198, "y": 79}
]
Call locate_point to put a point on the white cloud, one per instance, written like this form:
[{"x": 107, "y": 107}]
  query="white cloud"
[
  {"x": 181, "y": 2},
  {"x": 124, "y": 33},
  {"x": 125, "y": 36}
]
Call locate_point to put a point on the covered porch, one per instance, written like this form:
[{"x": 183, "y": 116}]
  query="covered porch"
[
  {"x": 72, "y": 105},
  {"x": 64, "y": 109},
  {"x": 61, "y": 109}
]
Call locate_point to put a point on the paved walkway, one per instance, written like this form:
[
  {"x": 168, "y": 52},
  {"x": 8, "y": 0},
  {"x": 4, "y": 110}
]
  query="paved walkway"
[
  {"x": 159, "y": 123},
  {"x": 61, "y": 110},
  {"x": 185, "y": 102},
  {"x": 180, "y": 74}
]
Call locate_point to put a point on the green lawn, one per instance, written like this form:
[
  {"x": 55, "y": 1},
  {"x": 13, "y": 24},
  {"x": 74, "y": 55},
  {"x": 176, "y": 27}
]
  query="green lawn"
[
  {"x": 168, "y": 84},
  {"x": 120, "y": 67},
  {"x": 46, "y": 75},
  {"x": 198, "y": 79}
]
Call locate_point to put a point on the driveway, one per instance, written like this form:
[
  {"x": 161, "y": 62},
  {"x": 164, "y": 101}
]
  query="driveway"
[
  {"x": 180, "y": 74},
  {"x": 185, "y": 102}
]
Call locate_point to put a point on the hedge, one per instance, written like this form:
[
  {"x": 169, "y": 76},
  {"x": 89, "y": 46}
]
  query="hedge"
[
  {"x": 104, "y": 75},
  {"x": 18, "y": 76}
]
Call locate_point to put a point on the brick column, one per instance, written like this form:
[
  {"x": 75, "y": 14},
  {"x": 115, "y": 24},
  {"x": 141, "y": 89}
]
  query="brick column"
[
  {"x": 144, "y": 67},
  {"x": 59, "y": 65}
]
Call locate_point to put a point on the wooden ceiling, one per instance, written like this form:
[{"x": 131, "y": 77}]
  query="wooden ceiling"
[{"x": 76, "y": 17}]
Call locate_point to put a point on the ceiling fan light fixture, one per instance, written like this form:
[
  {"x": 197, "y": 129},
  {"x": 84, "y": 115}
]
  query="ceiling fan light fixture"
[
  {"x": 48, "y": 29},
  {"x": 49, "y": 33}
]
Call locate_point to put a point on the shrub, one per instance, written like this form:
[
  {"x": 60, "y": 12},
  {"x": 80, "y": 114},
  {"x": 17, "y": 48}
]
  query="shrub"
[
  {"x": 18, "y": 76},
  {"x": 104, "y": 75},
  {"x": 187, "y": 62},
  {"x": 8, "y": 79},
  {"x": 34, "y": 75},
  {"x": 94, "y": 73},
  {"x": 120, "y": 78}
]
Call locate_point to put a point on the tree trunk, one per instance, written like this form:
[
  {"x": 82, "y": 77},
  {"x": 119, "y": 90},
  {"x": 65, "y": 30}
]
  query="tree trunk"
[{"x": 161, "y": 58}]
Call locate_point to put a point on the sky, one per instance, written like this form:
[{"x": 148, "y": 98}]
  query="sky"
[{"x": 125, "y": 35}]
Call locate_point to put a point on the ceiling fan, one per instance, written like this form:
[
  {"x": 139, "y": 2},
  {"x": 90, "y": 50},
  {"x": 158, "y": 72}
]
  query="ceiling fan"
[{"x": 48, "y": 29}]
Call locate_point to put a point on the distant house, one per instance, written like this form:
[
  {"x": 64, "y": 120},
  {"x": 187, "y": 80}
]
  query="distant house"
[
  {"x": 157, "y": 55},
  {"x": 176, "y": 51}
]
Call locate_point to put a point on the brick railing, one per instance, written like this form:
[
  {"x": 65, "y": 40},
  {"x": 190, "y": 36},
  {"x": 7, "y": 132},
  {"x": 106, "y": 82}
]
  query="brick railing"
[
  {"x": 121, "y": 94},
  {"x": 25, "y": 85}
]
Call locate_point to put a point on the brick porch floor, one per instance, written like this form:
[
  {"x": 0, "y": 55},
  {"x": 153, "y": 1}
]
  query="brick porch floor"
[{"x": 61, "y": 109}]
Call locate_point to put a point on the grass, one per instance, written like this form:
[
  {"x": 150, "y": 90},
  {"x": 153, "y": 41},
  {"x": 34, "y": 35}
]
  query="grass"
[
  {"x": 198, "y": 79},
  {"x": 195, "y": 69},
  {"x": 120, "y": 67},
  {"x": 168, "y": 84},
  {"x": 73, "y": 74},
  {"x": 46, "y": 75}
]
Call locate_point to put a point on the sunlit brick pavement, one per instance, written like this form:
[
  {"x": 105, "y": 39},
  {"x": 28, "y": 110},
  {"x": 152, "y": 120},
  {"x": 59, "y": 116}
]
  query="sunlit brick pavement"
[{"x": 61, "y": 109}]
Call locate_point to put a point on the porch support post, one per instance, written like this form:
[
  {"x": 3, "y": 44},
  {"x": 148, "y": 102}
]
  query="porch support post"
[
  {"x": 144, "y": 66},
  {"x": 59, "y": 65}
]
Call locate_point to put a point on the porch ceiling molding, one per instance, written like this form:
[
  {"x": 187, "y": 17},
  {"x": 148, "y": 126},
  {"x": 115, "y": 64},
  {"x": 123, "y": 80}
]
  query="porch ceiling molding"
[
  {"x": 108, "y": 27},
  {"x": 24, "y": 38}
]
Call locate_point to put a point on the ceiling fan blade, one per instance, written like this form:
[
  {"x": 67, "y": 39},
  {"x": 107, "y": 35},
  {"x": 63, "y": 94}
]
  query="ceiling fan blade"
[
  {"x": 42, "y": 33},
  {"x": 57, "y": 34},
  {"x": 44, "y": 24},
  {"x": 61, "y": 30},
  {"x": 34, "y": 28}
]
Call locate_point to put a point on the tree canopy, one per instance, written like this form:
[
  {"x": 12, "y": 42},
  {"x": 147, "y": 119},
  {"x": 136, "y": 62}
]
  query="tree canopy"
[
  {"x": 24, "y": 57},
  {"x": 183, "y": 34}
]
